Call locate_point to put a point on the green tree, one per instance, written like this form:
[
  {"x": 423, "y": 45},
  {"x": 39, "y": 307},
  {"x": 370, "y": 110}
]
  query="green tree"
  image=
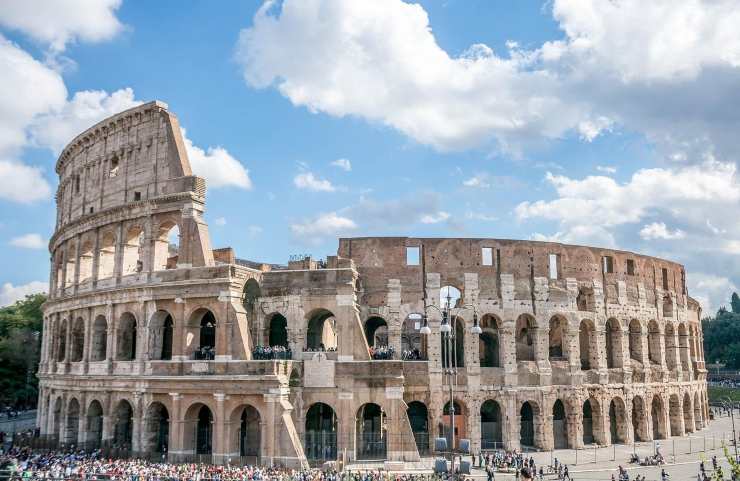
[{"x": 735, "y": 303}]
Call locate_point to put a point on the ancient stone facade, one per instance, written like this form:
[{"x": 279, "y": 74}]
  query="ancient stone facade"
[{"x": 153, "y": 339}]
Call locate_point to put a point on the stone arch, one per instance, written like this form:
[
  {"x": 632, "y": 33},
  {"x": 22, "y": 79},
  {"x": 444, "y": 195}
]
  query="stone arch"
[
  {"x": 556, "y": 336},
  {"x": 528, "y": 413},
  {"x": 635, "y": 340},
  {"x": 489, "y": 351},
  {"x": 321, "y": 333},
  {"x": 370, "y": 431},
  {"x": 559, "y": 425},
  {"x": 161, "y": 333},
  {"x": 133, "y": 250},
  {"x": 94, "y": 433},
  {"x": 657, "y": 414},
  {"x": 683, "y": 346},
  {"x": 250, "y": 297},
  {"x": 590, "y": 410},
  {"x": 72, "y": 427},
  {"x": 654, "y": 342},
  {"x": 675, "y": 414},
  {"x": 450, "y": 296},
  {"x": 202, "y": 335},
  {"x": 667, "y": 306},
  {"x": 613, "y": 343},
  {"x": 670, "y": 346},
  {"x": 698, "y": 415},
  {"x": 688, "y": 422},
  {"x": 78, "y": 340},
  {"x": 618, "y": 427},
  {"x": 167, "y": 246},
  {"x": 156, "y": 428},
  {"x": 123, "y": 424},
  {"x": 587, "y": 343},
  {"x": 418, "y": 416},
  {"x": 490, "y": 425},
  {"x": 247, "y": 421},
  {"x": 376, "y": 331},
  {"x": 525, "y": 339},
  {"x": 277, "y": 331},
  {"x": 320, "y": 439},
  {"x": 198, "y": 429},
  {"x": 86, "y": 262},
  {"x": 99, "y": 345},
  {"x": 62, "y": 341},
  {"x": 639, "y": 419},
  {"x": 107, "y": 256},
  {"x": 413, "y": 343},
  {"x": 70, "y": 264},
  {"x": 127, "y": 337}
]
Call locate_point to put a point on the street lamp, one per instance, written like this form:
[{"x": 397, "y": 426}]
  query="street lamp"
[{"x": 449, "y": 339}]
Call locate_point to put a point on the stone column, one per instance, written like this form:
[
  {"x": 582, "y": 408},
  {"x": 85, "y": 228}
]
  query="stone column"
[
  {"x": 78, "y": 239},
  {"x": 138, "y": 414},
  {"x": 474, "y": 426},
  {"x": 574, "y": 422},
  {"x": 543, "y": 430},
  {"x": 220, "y": 443},
  {"x": 269, "y": 432},
  {"x": 508, "y": 353},
  {"x": 346, "y": 425},
  {"x": 118, "y": 261},
  {"x": 178, "y": 332},
  {"x": 176, "y": 442},
  {"x": 82, "y": 421},
  {"x": 68, "y": 337},
  {"x": 511, "y": 423}
]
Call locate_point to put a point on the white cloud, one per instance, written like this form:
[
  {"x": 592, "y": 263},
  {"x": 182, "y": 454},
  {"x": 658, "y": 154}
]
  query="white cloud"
[
  {"x": 28, "y": 241},
  {"x": 710, "y": 290},
  {"x": 10, "y": 293},
  {"x": 435, "y": 218},
  {"x": 343, "y": 164},
  {"x": 589, "y": 129},
  {"x": 479, "y": 181},
  {"x": 658, "y": 230},
  {"x": 217, "y": 166},
  {"x": 220, "y": 221},
  {"x": 62, "y": 21},
  {"x": 308, "y": 181},
  {"x": 607, "y": 169},
  {"x": 325, "y": 225},
  {"x": 22, "y": 183}
]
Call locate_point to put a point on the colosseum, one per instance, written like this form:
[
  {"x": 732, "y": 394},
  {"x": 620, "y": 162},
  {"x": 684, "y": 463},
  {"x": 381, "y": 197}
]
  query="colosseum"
[{"x": 155, "y": 342}]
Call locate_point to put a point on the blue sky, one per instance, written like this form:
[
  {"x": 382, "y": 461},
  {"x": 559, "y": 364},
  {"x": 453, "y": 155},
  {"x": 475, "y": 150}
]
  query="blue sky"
[{"x": 605, "y": 123}]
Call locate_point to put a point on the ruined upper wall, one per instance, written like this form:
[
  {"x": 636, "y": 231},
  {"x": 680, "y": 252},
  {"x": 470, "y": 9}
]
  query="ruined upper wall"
[
  {"x": 135, "y": 155},
  {"x": 379, "y": 259}
]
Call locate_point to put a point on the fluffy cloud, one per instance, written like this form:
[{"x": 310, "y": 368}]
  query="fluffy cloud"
[
  {"x": 711, "y": 291},
  {"x": 10, "y": 293},
  {"x": 479, "y": 181},
  {"x": 343, "y": 164},
  {"x": 658, "y": 230},
  {"x": 22, "y": 183},
  {"x": 62, "y": 21},
  {"x": 435, "y": 218},
  {"x": 217, "y": 166},
  {"x": 28, "y": 241},
  {"x": 329, "y": 224},
  {"x": 308, "y": 181}
]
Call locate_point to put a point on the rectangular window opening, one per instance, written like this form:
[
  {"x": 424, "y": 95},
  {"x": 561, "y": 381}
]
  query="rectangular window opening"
[
  {"x": 554, "y": 261},
  {"x": 665, "y": 278},
  {"x": 137, "y": 195},
  {"x": 608, "y": 264},
  {"x": 412, "y": 256},
  {"x": 487, "y": 256},
  {"x": 630, "y": 267}
]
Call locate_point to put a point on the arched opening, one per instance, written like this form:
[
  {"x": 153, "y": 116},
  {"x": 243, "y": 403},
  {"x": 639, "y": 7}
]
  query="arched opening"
[
  {"x": 199, "y": 429},
  {"x": 525, "y": 348},
  {"x": 86, "y": 262},
  {"x": 654, "y": 342},
  {"x": 658, "y": 418},
  {"x": 413, "y": 343},
  {"x": 376, "y": 332},
  {"x": 639, "y": 423},
  {"x": 72, "y": 429},
  {"x": 127, "y": 338},
  {"x": 667, "y": 306},
  {"x": 371, "y": 432},
  {"x": 559, "y": 425},
  {"x": 556, "y": 335},
  {"x": 491, "y": 436},
  {"x": 62, "y": 341},
  {"x": 453, "y": 347},
  {"x": 670, "y": 346},
  {"x": 419, "y": 420},
  {"x": 201, "y": 338},
  {"x": 133, "y": 248},
  {"x": 320, "y": 441},
  {"x": 683, "y": 347},
  {"x": 106, "y": 256},
  {"x": 249, "y": 433},
  {"x": 321, "y": 334},
  {"x": 250, "y": 297},
  {"x": 78, "y": 340},
  {"x": 613, "y": 344},
  {"x": 161, "y": 330},
  {"x": 99, "y": 346},
  {"x": 526, "y": 425},
  {"x": 69, "y": 267},
  {"x": 156, "y": 429},
  {"x": 450, "y": 296},
  {"x": 277, "y": 331},
  {"x": 460, "y": 422},
  {"x": 617, "y": 421},
  {"x": 698, "y": 415},
  {"x": 94, "y": 436},
  {"x": 588, "y": 423},
  {"x": 59, "y": 273},
  {"x": 123, "y": 418},
  {"x": 166, "y": 246},
  {"x": 675, "y": 415},
  {"x": 488, "y": 342},
  {"x": 635, "y": 341},
  {"x": 586, "y": 341},
  {"x": 687, "y": 421}
]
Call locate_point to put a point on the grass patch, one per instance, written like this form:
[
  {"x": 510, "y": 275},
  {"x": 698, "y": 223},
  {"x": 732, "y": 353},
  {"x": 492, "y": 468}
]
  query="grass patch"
[{"x": 718, "y": 394}]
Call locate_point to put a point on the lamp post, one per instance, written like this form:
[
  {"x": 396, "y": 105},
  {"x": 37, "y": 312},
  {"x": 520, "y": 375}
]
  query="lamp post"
[
  {"x": 728, "y": 404},
  {"x": 449, "y": 336}
]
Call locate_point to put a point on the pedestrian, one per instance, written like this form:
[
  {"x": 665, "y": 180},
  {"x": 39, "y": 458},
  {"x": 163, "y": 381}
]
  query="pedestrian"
[{"x": 526, "y": 475}]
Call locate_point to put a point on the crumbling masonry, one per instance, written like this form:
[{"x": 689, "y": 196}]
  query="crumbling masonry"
[{"x": 150, "y": 334}]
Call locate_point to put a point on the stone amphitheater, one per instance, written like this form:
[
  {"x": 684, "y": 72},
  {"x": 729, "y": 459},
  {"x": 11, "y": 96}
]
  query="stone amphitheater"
[{"x": 156, "y": 343}]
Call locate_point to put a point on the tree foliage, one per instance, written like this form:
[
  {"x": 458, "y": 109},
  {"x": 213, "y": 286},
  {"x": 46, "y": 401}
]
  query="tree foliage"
[
  {"x": 21, "y": 327},
  {"x": 722, "y": 335}
]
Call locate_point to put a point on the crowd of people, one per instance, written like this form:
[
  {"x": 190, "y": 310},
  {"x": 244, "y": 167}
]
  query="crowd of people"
[
  {"x": 382, "y": 353},
  {"x": 412, "y": 355},
  {"x": 271, "y": 352},
  {"x": 321, "y": 348},
  {"x": 204, "y": 353}
]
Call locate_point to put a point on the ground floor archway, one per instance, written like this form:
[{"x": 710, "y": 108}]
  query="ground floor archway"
[
  {"x": 156, "y": 429},
  {"x": 491, "y": 436},
  {"x": 418, "y": 415},
  {"x": 559, "y": 425},
  {"x": 371, "y": 439},
  {"x": 94, "y": 435},
  {"x": 320, "y": 438}
]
